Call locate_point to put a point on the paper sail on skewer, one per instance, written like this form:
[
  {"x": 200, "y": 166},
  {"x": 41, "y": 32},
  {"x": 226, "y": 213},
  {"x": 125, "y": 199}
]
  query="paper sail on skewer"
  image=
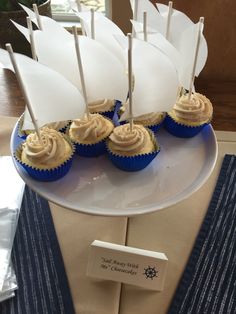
[
  {"x": 179, "y": 22},
  {"x": 104, "y": 75},
  {"x": 182, "y": 54},
  {"x": 187, "y": 46},
  {"x": 48, "y": 24},
  {"x": 105, "y": 30},
  {"x": 155, "y": 80},
  {"x": 155, "y": 20},
  {"x": 52, "y": 97},
  {"x": 159, "y": 41}
]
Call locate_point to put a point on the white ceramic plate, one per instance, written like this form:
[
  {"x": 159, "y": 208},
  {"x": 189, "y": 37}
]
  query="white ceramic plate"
[{"x": 95, "y": 186}]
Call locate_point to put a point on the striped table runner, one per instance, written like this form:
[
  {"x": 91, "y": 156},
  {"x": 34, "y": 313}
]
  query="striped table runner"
[
  {"x": 36, "y": 256},
  {"x": 208, "y": 284}
]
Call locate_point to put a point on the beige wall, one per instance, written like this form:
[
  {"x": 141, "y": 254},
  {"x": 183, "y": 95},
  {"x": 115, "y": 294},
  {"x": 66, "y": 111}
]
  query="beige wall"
[{"x": 220, "y": 31}]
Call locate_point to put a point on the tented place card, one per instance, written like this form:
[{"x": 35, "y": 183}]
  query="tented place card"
[{"x": 126, "y": 264}]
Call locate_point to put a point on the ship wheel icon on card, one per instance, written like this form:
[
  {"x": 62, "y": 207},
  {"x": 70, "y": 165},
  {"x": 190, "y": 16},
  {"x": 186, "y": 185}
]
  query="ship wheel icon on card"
[{"x": 150, "y": 272}]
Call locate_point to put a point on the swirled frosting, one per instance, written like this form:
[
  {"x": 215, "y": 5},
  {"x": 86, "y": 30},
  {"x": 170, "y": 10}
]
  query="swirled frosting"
[
  {"x": 150, "y": 118},
  {"x": 125, "y": 142},
  {"x": 48, "y": 153},
  {"x": 90, "y": 131},
  {"x": 57, "y": 125},
  {"x": 101, "y": 105},
  {"x": 194, "y": 112}
]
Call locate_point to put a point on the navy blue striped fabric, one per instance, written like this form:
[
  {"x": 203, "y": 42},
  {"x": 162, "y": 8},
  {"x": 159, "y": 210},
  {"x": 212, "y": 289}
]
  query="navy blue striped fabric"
[
  {"x": 208, "y": 284},
  {"x": 36, "y": 256}
]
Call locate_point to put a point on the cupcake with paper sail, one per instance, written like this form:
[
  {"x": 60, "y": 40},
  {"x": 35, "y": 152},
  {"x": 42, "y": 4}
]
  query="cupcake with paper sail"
[
  {"x": 48, "y": 157},
  {"x": 132, "y": 150},
  {"x": 89, "y": 134},
  {"x": 131, "y": 147},
  {"x": 189, "y": 115}
]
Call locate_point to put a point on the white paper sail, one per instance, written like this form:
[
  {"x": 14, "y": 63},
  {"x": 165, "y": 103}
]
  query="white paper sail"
[
  {"x": 74, "y": 7},
  {"x": 187, "y": 46},
  {"x": 48, "y": 24},
  {"x": 22, "y": 29},
  {"x": 179, "y": 22},
  {"x": 155, "y": 80},
  {"x": 52, "y": 97},
  {"x": 154, "y": 19},
  {"x": 159, "y": 41},
  {"x": 105, "y": 76},
  {"x": 105, "y": 30},
  {"x": 30, "y": 13}
]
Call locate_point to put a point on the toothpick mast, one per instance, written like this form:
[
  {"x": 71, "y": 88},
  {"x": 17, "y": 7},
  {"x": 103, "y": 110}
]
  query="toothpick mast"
[
  {"x": 31, "y": 36},
  {"x": 130, "y": 76},
  {"x": 92, "y": 24},
  {"x": 38, "y": 18},
  {"x": 81, "y": 72},
  {"x": 21, "y": 83},
  {"x": 145, "y": 26},
  {"x": 79, "y": 7},
  {"x": 135, "y": 15},
  {"x": 199, "y": 33},
  {"x": 168, "y": 19}
]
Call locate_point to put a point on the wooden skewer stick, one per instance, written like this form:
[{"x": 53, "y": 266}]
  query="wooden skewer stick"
[
  {"x": 199, "y": 34},
  {"x": 81, "y": 72},
  {"x": 169, "y": 19},
  {"x": 38, "y": 18},
  {"x": 31, "y": 36},
  {"x": 145, "y": 26},
  {"x": 92, "y": 24},
  {"x": 79, "y": 7},
  {"x": 130, "y": 77},
  {"x": 135, "y": 15},
  {"x": 24, "y": 92}
]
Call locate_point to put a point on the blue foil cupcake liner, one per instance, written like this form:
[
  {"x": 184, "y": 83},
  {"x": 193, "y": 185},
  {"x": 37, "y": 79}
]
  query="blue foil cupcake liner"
[
  {"x": 90, "y": 150},
  {"x": 46, "y": 175},
  {"x": 181, "y": 130},
  {"x": 134, "y": 163}
]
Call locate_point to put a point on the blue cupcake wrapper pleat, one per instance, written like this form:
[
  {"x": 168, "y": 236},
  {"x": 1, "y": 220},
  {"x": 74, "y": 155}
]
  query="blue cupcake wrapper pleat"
[
  {"x": 90, "y": 150},
  {"x": 181, "y": 130},
  {"x": 134, "y": 163},
  {"x": 116, "y": 115},
  {"x": 44, "y": 174}
]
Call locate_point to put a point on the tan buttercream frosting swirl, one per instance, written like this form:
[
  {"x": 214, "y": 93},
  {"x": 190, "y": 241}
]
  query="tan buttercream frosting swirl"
[
  {"x": 123, "y": 141},
  {"x": 92, "y": 130},
  {"x": 150, "y": 118},
  {"x": 57, "y": 125},
  {"x": 101, "y": 105},
  {"x": 49, "y": 152},
  {"x": 196, "y": 111}
]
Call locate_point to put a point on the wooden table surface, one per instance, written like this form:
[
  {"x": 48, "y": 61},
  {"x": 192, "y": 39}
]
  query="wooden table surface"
[{"x": 221, "y": 93}]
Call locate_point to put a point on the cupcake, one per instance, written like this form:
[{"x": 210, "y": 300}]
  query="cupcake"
[
  {"x": 189, "y": 117},
  {"x": 48, "y": 159},
  {"x": 132, "y": 150},
  {"x": 152, "y": 120},
  {"x": 89, "y": 135},
  {"x": 105, "y": 107},
  {"x": 60, "y": 126}
]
